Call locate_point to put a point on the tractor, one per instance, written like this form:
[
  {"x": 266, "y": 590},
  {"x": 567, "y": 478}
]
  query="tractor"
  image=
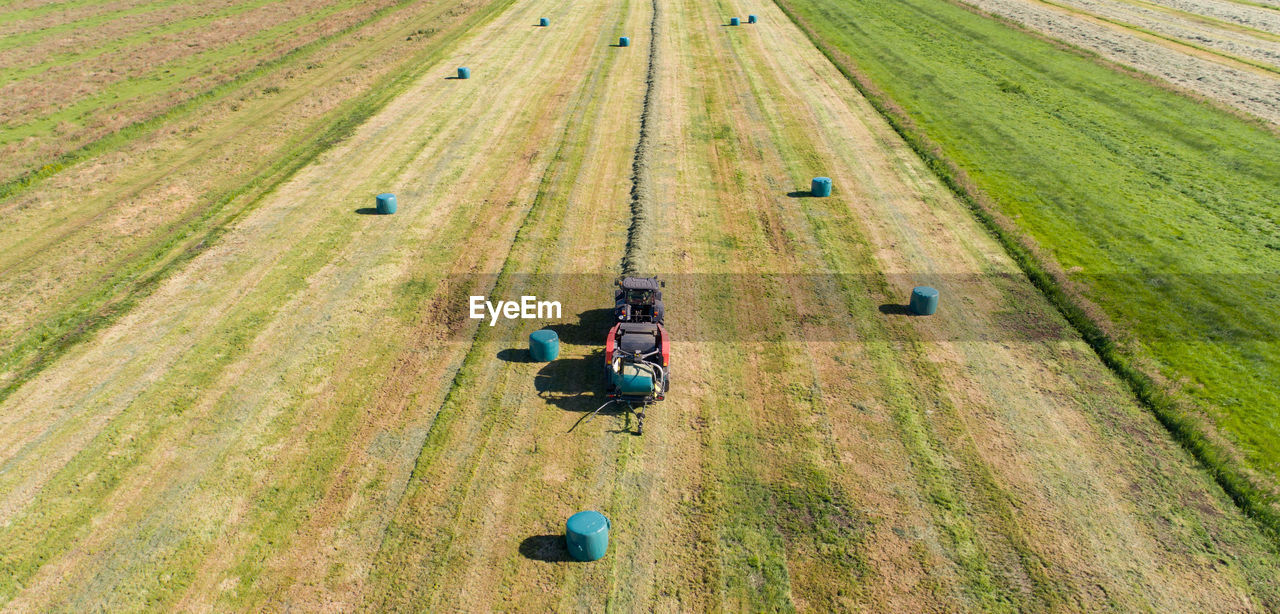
[
  {"x": 638, "y": 299},
  {"x": 637, "y": 349}
]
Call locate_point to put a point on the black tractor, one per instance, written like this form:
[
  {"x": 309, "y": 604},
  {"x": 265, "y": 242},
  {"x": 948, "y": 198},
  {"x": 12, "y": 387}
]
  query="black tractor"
[{"x": 638, "y": 299}]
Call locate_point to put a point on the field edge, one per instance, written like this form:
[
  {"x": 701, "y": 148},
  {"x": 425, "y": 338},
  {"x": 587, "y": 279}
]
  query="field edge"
[{"x": 1185, "y": 426}]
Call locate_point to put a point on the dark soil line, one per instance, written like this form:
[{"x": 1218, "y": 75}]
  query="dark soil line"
[
  {"x": 633, "y": 261},
  {"x": 1185, "y": 428}
]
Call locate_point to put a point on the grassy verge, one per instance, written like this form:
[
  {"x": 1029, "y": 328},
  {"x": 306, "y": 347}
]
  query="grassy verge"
[{"x": 1159, "y": 208}]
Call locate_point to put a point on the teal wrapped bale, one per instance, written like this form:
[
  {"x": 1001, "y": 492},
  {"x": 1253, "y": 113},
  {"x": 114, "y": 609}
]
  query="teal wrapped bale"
[
  {"x": 544, "y": 345},
  {"x": 464, "y": 72},
  {"x": 544, "y": 22},
  {"x": 924, "y": 301},
  {"x": 751, "y": 19},
  {"x": 624, "y": 42},
  {"x": 821, "y": 186},
  {"x": 587, "y": 535},
  {"x": 635, "y": 379},
  {"x": 386, "y": 203},
  {"x": 733, "y": 21}
]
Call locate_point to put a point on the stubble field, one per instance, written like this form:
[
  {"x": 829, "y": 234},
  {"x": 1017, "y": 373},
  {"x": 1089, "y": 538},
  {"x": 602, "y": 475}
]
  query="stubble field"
[{"x": 277, "y": 402}]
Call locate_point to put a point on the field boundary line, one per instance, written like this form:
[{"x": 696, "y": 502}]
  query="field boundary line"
[
  {"x": 1139, "y": 30},
  {"x": 1185, "y": 428}
]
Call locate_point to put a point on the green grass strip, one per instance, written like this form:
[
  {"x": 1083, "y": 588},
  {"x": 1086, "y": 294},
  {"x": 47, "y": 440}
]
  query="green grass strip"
[{"x": 1185, "y": 427}]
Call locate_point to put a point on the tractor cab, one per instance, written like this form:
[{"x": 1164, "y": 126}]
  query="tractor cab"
[{"x": 638, "y": 299}]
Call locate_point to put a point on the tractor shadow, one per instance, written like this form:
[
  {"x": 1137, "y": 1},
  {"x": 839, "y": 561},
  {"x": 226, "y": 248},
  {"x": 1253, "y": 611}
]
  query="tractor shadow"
[
  {"x": 577, "y": 384},
  {"x": 546, "y": 548},
  {"x": 592, "y": 327},
  {"x": 573, "y": 384},
  {"x": 893, "y": 309}
]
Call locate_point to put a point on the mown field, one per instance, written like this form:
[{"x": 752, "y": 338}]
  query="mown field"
[
  {"x": 294, "y": 413},
  {"x": 150, "y": 198},
  {"x": 1225, "y": 51},
  {"x": 75, "y": 73},
  {"x": 1160, "y": 210}
]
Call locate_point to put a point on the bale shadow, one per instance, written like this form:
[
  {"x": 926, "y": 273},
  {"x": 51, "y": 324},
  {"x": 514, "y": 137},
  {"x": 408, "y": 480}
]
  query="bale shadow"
[
  {"x": 893, "y": 309},
  {"x": 514, "y": 355},
  {"x": 576, "y": 384},
  {"x": 367, "y": 211},
  {"x": 545, "y": 548},
  {"x": 455, "y": 78},
  {"x": 800, "y": 194}
]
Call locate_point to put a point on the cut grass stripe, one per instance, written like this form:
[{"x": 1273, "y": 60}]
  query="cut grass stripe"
[
  {"x": 635, "y": 258},
  {"x": 1229, "y": 57},
  {"x": 169, "y": 77},
  {"x": 110, "y": 142},
  {"x": 137, "y": 279}
]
